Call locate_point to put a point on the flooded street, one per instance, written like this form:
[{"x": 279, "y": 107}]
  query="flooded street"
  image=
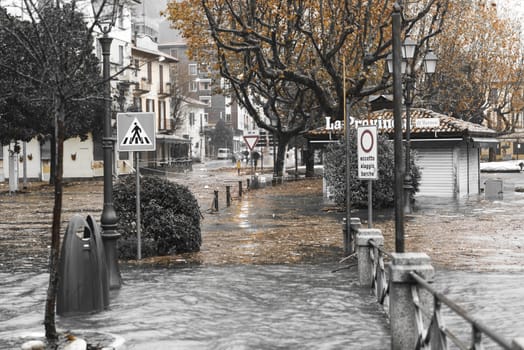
[
  {"x": 228, "y": 307},
  {"x": 263, "y": 278}
]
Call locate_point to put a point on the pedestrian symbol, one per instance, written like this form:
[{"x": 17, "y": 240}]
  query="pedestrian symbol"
[
  {"x": 135, "y": 135},
  {"x": 136, "y": 132}
]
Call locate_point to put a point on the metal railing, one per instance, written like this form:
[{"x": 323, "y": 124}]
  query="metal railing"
[
  {"x": 436, "y": 334},
  {"x": 413, "y": 291},
  {"x": 380, "y": 283}
]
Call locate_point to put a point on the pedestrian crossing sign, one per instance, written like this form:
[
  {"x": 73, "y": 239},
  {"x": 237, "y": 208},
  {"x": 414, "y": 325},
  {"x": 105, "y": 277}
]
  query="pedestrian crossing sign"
[{"x": 136, "y": 132}]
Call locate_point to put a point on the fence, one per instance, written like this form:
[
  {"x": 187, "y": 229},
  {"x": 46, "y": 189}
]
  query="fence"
[{"x": 412, "y": 304}]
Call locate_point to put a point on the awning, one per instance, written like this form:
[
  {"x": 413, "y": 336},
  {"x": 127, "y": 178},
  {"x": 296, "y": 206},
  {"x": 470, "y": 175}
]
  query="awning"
[{"x": 484, "y": 140}]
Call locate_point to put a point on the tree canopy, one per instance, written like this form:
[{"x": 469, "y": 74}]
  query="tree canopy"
[
  {"x": 480, "y": 65},
  {"x": 45, "y": 59},
  {"x": 296, "y": 61}
]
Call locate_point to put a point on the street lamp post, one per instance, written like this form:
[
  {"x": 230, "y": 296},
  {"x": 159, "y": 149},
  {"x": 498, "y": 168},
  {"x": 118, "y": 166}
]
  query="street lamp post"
[
  {"x": 105, "y": 13},
  {"x": 274, "y": 124},
  {"x": 407, "y": 64}
]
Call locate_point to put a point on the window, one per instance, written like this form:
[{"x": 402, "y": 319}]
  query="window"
[
  {"x": 162, "y": 122},
  {"x": 204, "y": 85},
  {"x": 150, "y": 105},
  {"x": 205, "y": 118},
  {"x": 228, "y": 117},
  {"x": 191, "y": 118},
  {"x": 173, "y": 52},
  {"x": 137, "y": 104},
  {"x": 206, "y": 100},
  {"x": 193, "y": 86},
  {"x": 136, "y": 67},
  {"x": 120, "y": 20},
  {"x": 192, "y": 68},
  {"x": 149, "y": 72},
  {"x": 161, "y": 78},
  {"x": 120, "y": 55}
]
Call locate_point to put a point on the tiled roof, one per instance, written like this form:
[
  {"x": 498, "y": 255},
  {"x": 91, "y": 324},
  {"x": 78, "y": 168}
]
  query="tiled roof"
[{"x": 448, "y": 127}]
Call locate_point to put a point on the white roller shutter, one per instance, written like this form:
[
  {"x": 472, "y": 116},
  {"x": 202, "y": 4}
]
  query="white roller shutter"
[{"x": 438, "y": 177}]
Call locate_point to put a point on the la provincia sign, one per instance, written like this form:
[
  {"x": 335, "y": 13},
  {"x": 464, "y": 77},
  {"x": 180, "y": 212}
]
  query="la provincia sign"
[
  {"x": 367, "y": 152},
  {"x": 382, "y": 124}
]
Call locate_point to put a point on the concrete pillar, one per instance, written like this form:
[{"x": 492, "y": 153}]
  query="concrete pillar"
[
  {"x": 349, "y": 238},
  {"x": 518, "y": 344},
  {"x": 402, "y": 315},
  {"x": 363, "y": 248}
]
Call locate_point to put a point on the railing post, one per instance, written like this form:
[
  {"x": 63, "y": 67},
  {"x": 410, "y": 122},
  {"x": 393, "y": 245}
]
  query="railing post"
[
  {"x": 363, "y": 248},
  {"x": 518, "y": 344},
  {"x": 402, "y": 311}
]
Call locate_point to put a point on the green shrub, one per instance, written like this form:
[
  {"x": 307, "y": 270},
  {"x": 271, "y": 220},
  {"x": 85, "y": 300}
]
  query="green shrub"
[
  {"x": 383, "y": 188},
  {"x": 170, "y": 217}
]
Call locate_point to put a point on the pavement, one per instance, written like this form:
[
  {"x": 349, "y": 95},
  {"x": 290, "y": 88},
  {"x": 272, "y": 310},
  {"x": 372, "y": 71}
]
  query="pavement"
[{"x": 286, "y": 223}]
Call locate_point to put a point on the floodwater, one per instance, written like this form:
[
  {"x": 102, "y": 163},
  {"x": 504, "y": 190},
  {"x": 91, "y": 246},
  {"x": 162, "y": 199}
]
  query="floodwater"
[
  {"x": 229, "y": 307},
  {"x": 252, "y": 307},
  {"x": 284, "y": 304}
]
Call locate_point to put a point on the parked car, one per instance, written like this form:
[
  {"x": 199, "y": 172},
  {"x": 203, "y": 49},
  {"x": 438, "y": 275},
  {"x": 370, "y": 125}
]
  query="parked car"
[{"x": 223, "y": 153}]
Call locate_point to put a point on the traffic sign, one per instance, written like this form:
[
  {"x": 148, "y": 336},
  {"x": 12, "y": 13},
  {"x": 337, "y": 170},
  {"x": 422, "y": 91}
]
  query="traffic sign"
[
  {"x": 136, "y": 132},
  {"x": 367, "y": 152},
  {"x": 251, "y": 141}
]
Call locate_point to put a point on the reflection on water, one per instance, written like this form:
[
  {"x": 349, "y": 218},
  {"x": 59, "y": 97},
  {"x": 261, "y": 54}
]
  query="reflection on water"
[
  {"x": 254, "y": 307},
  {"x": 495, "y": 299},
  {"x": 232, "y": 307}
]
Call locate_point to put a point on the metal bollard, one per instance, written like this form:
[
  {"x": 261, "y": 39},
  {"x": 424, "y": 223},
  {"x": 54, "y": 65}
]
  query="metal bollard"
[
  {"x": 215, "y": 203},
  {"x": 228, "y": 195},
  {"x": 248, "y": 184},
  {"x": 240, "y": 189},
  {"x": 346, "y": 238}
]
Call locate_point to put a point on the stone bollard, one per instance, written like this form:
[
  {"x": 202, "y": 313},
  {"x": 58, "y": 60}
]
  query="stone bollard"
[
  {"x": 363, "y": 248},
  {"x": 228, "y": 195},
  {"x": 518, "y": 344},
  {"x": 240, "y": 189},
  {"x": 402, "y": 315}
]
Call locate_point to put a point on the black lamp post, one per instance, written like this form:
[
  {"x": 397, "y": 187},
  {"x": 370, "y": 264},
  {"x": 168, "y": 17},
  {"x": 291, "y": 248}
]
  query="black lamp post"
[
  {"x": 406, "y": 67},
  {"x": 274, "y": 124},
  {"x": 105, "y": 13}
]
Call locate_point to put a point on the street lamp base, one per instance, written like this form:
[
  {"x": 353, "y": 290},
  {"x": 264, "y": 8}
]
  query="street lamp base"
[{"x": 408, "y": 190}]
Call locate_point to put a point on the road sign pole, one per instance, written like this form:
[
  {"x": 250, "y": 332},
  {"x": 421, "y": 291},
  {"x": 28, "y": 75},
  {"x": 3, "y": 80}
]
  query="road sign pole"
[{"x": 138, "y": 222}]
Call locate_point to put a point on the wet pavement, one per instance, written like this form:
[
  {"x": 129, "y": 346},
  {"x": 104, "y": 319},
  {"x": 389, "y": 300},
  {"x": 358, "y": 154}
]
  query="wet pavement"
[{"x": 263, "y": 276}]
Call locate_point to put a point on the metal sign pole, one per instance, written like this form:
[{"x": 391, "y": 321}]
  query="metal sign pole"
[
  {"x": 138, "y": 223},
  {"x": 370, "y": 203}
]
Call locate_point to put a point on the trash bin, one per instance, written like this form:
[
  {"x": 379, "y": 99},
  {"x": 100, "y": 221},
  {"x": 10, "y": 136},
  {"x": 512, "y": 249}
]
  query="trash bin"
[
  {"x": 83, "y": 286},
  {"x": 493, "y": 189},
  {"x": 254, "y": 182}
]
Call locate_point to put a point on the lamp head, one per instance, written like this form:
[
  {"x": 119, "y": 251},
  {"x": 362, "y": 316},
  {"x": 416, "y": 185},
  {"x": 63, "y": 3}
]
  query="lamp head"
[
  {"x": 105, "y": 13},
  {"x": 430, "y": 62}
]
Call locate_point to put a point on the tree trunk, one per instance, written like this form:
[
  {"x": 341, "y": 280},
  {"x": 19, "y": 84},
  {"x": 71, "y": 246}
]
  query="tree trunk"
[
  {"x": 53, "y": 160},
  {"x": 309, "y": 160},
  {"x": 54, "y": 257},
  {"x": 282, "y": 142}
]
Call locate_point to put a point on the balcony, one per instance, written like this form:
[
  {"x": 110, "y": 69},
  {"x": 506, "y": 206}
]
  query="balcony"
[
  {"x": 142, "y": 87},
  {"x": 164, "y": 90}
]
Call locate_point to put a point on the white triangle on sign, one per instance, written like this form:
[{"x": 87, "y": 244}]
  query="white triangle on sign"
[
  {"x": 251, "y": 141},
  {"x": 135, "y": 135}
]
